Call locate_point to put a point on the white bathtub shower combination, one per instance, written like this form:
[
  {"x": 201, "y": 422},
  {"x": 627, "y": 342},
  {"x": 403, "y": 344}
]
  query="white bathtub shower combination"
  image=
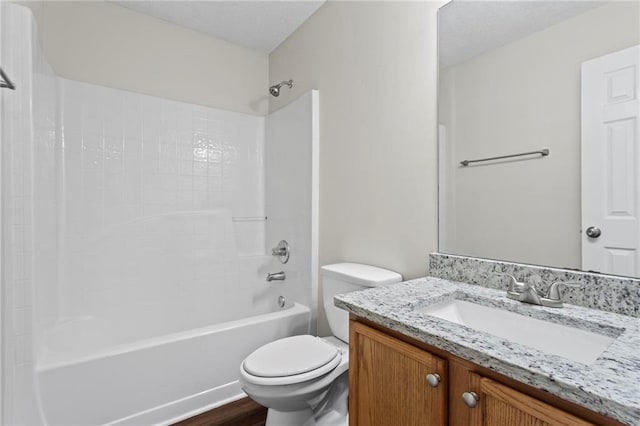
[
  {"x": 149, "y": 221},
  {"x": 155, "y": 380}
]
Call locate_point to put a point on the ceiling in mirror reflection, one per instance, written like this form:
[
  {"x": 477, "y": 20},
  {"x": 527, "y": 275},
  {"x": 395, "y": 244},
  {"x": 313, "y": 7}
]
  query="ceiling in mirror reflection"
[
  {"x": 469, "y": 28},
  {"x": 510, "y": 82}
]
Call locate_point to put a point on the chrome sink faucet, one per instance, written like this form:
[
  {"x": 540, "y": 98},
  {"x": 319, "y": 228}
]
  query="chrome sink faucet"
[{"x": 528, "y": 293}]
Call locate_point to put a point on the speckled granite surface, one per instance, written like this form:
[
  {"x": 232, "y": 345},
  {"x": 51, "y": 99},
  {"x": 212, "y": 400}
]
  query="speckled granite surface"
[
  {"x": 605, "y": 292},
  {"x": 611, "y": 385}
]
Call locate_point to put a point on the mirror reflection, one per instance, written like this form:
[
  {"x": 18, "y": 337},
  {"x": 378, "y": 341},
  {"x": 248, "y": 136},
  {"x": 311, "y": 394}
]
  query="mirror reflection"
[{"x": 523, "y": 77}]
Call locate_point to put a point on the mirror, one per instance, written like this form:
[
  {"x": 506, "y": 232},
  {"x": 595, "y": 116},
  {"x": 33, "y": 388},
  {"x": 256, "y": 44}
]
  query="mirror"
[{"x": 518, "y": 77}]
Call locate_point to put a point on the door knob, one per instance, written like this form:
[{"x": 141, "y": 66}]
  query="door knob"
[
  {"x": 433, "y": 380},
  {"x": 470, "y": 399},
  {"x": 593, "y": 232}
]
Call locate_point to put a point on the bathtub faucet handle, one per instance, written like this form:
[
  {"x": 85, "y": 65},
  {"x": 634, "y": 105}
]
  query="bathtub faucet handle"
[
  {"x": 276, "y": 276},
  {"x": 281, "y": 251}
]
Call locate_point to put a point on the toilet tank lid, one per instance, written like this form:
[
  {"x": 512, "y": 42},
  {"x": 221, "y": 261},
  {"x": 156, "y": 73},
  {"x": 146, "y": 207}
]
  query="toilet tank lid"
[{"x": 359, "y": 274}]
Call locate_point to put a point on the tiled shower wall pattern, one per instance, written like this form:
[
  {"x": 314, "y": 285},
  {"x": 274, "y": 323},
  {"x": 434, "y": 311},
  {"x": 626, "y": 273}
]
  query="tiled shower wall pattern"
[
  {"x": 28, "y": 139},
  {"x": 148, "y": 186},
  {"x": 17, "y": 224}
]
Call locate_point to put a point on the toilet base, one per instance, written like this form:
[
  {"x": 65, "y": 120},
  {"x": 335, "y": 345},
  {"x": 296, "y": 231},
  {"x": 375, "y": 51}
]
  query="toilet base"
[
  {"x": 330, "y": 408},
  {"x": 290, "y": 418},
  {"x": 304, "y": 418}
]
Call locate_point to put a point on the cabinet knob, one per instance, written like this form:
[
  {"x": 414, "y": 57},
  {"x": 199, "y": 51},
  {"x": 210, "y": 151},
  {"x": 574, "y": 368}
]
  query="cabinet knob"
[
  {"x": 470, "y": 399},
  {"x": 433, "y": 380}
]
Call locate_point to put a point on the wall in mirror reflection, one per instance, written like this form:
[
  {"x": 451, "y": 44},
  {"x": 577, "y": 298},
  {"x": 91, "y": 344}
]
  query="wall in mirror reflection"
[{"x": 522, "y": 96}]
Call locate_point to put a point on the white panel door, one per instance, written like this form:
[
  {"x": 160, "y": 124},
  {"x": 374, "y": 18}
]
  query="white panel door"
[{"x": 610, "y": 163}]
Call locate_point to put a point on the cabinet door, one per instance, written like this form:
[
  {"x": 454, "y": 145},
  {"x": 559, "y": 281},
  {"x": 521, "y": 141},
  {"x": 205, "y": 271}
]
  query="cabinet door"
[
  {"x": 388, "y": 382},
  {"x": 500, "y": 405}
]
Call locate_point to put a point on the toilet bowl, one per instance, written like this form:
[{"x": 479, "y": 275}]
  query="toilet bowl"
[
  {"x": 295, "y": 397},
  {"x": 303, "y": 380}
]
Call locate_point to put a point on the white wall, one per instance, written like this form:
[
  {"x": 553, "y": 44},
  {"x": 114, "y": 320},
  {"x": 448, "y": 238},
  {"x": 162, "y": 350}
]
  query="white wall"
[
  {"x": 522, "y": 97},
  {"x": 374, "y": 64},
  {"x": 106, "y": 44}
]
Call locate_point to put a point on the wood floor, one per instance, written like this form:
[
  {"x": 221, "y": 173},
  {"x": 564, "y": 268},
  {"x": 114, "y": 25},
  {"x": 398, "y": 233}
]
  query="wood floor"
[{"x": 243, "y": 412}]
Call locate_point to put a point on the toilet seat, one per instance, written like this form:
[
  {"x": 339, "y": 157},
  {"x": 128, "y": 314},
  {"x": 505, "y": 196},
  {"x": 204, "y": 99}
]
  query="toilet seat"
[{"x": 291, "y": 360}]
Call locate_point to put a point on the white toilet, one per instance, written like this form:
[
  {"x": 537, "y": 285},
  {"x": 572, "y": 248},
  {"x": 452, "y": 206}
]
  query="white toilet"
[{"x": 304, "y": 380}]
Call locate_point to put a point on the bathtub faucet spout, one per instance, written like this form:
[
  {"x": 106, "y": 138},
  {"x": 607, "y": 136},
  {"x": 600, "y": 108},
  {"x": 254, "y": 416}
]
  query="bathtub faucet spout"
[{"x": 276, "y": 276}]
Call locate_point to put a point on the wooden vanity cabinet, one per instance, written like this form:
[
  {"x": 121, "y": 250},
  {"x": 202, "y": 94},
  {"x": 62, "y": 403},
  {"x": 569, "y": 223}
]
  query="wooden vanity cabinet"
[
  {"x": 388, "y": 386},
  {"x": 387, "y": 381},
  {"x": 501, "y": 405}
]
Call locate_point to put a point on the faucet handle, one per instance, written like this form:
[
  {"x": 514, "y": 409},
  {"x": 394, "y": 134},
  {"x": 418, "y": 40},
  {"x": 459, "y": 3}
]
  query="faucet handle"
[
  {"x": 281, "y": 251},
  {"x": 514, "y": 285},
  {"x": 554, "y": 289}
]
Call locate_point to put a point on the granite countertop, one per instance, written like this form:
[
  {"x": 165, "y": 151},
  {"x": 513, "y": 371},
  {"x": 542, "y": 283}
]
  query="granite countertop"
[{"x": 611, "y": 385}]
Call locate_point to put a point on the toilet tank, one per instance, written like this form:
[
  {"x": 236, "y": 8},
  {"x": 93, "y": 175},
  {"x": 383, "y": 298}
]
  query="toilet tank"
[{"x": 342, "y": 278}]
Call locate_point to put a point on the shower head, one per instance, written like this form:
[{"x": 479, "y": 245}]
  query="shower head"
[{"x": 275, "y": 89}]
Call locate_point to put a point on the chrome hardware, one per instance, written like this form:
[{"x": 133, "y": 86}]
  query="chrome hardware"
[
  {"x": 470, "y": 399},
  {"x": 281, "y": 301},
  {"x": 553, "y": 299},
  {"x": 593, "y": 232},
  {"x": 514, "y": 285},
  {"x": 275, "y": 89},
  {"x": 281, "y": 251},
  {"x": 543, "y": 152},
  {"x": 5, "y": 82},
  {"x": 528, "y": 293},
  {"x": 433, "y": 380},
  {"x": 276, "y": 276}
]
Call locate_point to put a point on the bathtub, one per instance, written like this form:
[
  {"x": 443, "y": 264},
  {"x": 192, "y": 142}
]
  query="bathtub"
[{"x": 158, "y": 380}]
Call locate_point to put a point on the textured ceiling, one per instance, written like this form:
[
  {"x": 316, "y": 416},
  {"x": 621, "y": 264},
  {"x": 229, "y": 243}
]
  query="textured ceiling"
[
  {"x": 258, "y": 25},
  {"x": 468, "y": 28}
]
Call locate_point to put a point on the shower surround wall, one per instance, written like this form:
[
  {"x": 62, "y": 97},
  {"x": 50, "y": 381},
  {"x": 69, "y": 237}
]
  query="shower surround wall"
[
  {"x": 133, "y": 233},
  {"x": 28, "y": 162},
  {"x": 292, "y": 166},
  {"x": 149, "y": 185}
]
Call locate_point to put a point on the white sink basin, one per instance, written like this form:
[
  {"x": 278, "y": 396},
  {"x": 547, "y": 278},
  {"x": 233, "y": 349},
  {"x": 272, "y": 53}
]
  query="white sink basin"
[{"x": 569, "y": 342}]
